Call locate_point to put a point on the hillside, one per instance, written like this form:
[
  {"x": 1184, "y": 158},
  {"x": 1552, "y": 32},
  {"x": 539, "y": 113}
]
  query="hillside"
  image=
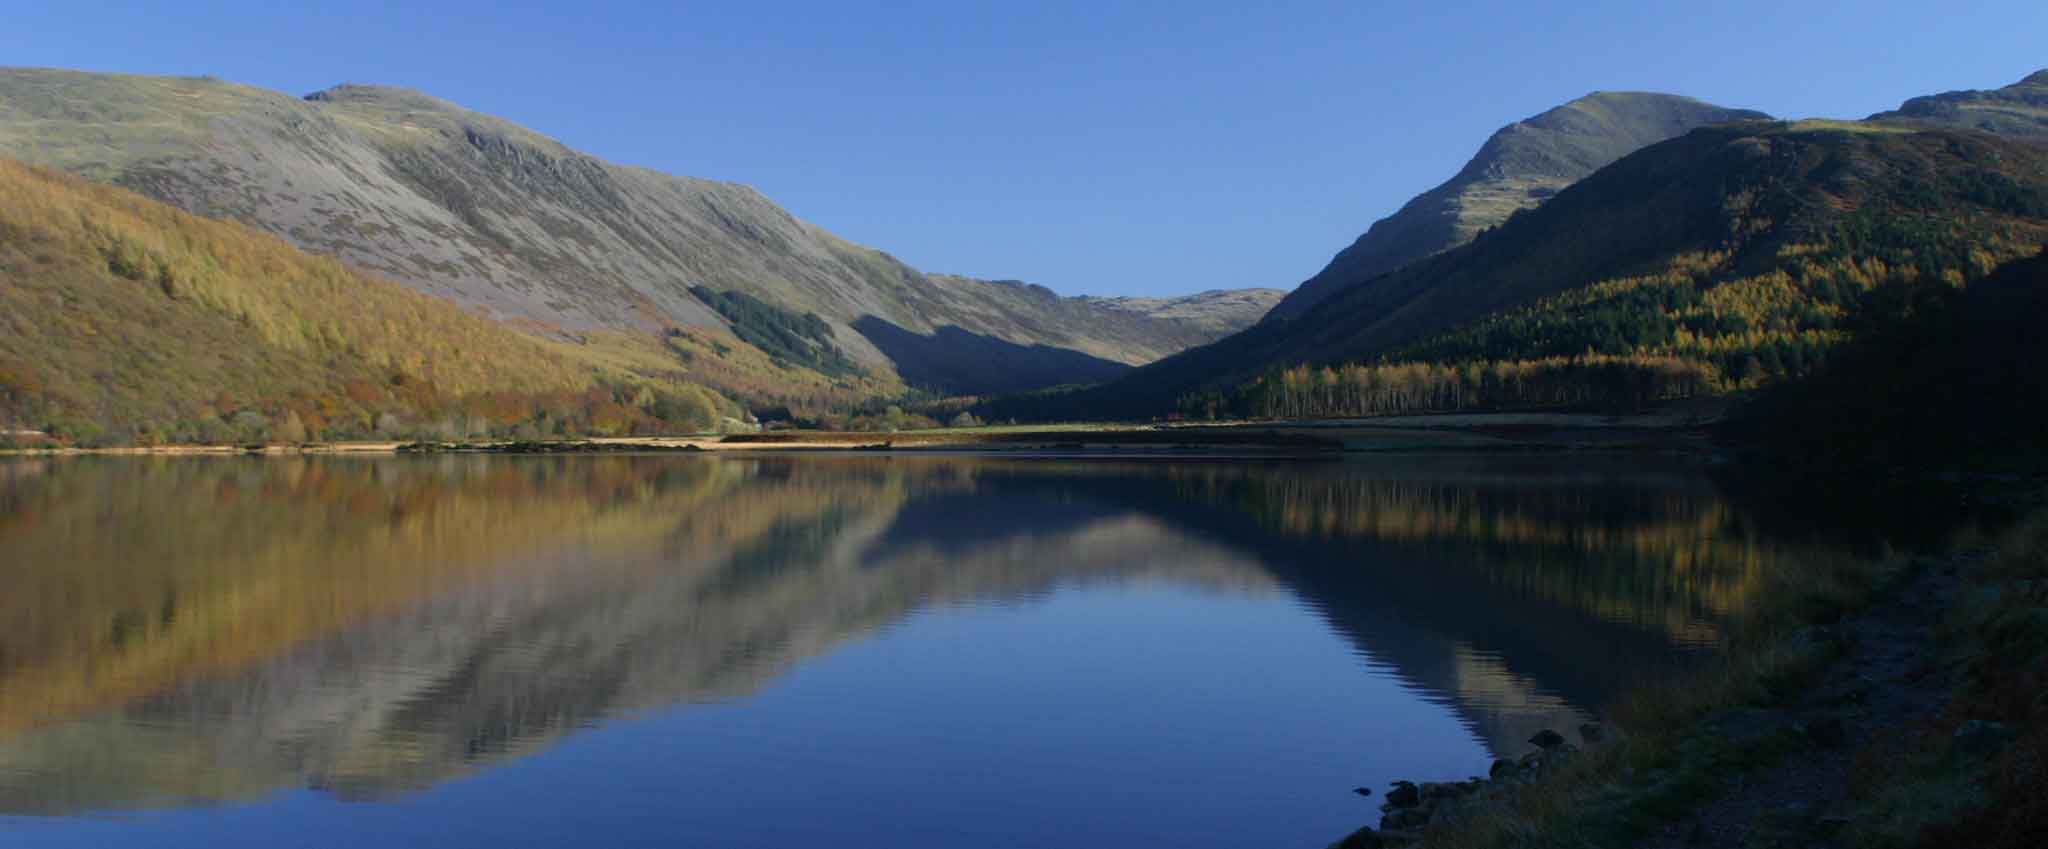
[
  {"x": 126, "y": 320},
  {"x": 1520, "y": 166},
  {"x": 1717, "y": 259},
  {"x": 524, "y": 229},
  {"x": 2020, "y": 109}
]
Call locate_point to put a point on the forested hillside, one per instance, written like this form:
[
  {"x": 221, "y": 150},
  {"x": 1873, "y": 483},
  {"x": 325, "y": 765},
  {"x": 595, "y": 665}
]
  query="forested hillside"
[
  {"x": 1722, "y": 259},
  {"x": 125, "y": 320},
  {"x": 1939, "y": 378}
]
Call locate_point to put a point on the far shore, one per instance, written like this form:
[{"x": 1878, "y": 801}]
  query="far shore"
[{"x": 1507, "y": 431}]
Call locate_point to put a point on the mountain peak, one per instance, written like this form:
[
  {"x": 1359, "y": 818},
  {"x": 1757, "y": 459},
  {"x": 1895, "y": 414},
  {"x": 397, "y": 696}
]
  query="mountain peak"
[
  {"x": 389, "y": 95},
  {"x": 1517, "y": 168},
  {"x": 2037, "y": 79},
  {"x": 396, "y": 106}
]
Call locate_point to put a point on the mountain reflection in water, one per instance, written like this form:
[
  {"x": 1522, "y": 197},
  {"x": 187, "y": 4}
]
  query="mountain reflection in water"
[{"x": 190, "y": 630}]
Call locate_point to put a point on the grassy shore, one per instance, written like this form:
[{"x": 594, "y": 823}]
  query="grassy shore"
[{"x": 1886, "y": 703}]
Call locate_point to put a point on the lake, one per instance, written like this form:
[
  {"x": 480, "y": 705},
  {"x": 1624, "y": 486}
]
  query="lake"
[{"x": 774, "y": 651}]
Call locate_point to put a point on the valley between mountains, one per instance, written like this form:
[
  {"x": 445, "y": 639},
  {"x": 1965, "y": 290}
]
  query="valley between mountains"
[{"x": 194, "y": 260}]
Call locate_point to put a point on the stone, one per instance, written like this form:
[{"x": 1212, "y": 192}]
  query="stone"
[
  {"x": 1362, "y": 791},
  {"x": 1503, "y": 766},
  {"x": 1404, "y": 795},
  {"x": 1547, "y": 739}
]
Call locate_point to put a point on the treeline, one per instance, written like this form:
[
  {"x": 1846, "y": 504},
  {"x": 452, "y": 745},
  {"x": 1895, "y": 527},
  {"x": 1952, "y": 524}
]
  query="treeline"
[
  {"x": 1700, "y": 324},
  {"x": 1590, "y": 380},
  {"x": 1751, "y": 325}
]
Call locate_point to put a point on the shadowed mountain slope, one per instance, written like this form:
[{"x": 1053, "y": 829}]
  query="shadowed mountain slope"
[{"x": 1520, "y": 166}]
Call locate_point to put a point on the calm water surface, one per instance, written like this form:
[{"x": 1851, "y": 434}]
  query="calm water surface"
[{"x": 783, "y": 651}]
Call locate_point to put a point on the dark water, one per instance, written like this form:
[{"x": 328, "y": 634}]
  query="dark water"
[{"x": 772, "y": 652}]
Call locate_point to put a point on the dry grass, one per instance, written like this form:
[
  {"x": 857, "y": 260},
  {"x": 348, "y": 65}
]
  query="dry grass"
[{"x": 122, "y": 311}]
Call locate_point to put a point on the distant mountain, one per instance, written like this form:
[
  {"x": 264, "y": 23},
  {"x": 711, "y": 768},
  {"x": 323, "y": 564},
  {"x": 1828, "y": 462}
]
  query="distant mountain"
[
  {"x": 1520, "y": 166},
  {"x": 1736, "y": 248},
  {"x": 1085, "y": 339},
  {"x": 524, "y": 229},
  {"x": 2020, "y": 109},
  {"x": 1222, "y": 311}
]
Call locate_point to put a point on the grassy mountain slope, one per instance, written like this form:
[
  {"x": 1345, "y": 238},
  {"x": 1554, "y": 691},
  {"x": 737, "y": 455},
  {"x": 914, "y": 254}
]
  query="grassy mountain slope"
[
  {"x": 123, "y": 318},
  {"x": 2020, "y": 109},
  {"x": 498, "y": 217},
  {"x": 1520, "y": 166},
  {"x": 1719, "y": 246}
]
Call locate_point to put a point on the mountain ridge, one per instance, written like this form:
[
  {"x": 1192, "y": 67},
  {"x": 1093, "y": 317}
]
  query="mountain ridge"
[
  {"x": 2020, "y": 109},
  {"x": 1750, "y": 236},
  {"x": 1517, "y": 167},
  {"x": 504, "y": 219}
]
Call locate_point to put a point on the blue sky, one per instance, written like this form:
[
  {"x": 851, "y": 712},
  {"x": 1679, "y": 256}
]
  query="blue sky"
[{"x": 1095, "y": 147}]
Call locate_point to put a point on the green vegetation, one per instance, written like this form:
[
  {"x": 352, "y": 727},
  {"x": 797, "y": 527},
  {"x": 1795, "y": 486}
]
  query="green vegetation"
[
  {"x": 123, "y": 321},
  {"x": 788, "y": 337}
]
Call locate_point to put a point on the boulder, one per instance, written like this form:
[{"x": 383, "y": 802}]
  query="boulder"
[
  {"x": 1547, "y": 739},
  {"x": 1404, "y": 795}
]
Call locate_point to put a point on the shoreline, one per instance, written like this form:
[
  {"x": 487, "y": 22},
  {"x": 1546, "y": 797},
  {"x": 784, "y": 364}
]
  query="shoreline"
[
  {"x": 1875, "y": 663},
  {"x": 1504, "y": 432}
]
